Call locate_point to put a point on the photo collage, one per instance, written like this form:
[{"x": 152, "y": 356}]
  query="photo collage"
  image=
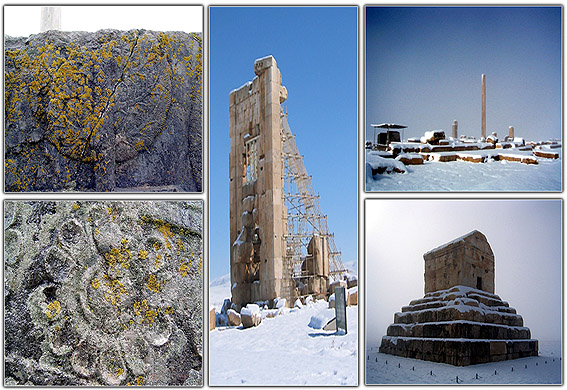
[{"x": 194, "y": 194}]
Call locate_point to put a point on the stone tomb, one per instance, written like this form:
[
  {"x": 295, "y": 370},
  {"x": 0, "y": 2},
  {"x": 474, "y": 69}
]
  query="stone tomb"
[{"x": 459, "y": 321}]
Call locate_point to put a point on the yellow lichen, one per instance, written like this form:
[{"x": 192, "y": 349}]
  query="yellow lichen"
[
  {"x": 142, "y": 254},
  {"x": 119, "y": 256},
  {"x": 95, "y": 283},
  {"x": 52, "y": 309},
  {"x": 183, "y": 269},
  {"x": 114, "y": 290},
  {"x": 153, "y": 284}
]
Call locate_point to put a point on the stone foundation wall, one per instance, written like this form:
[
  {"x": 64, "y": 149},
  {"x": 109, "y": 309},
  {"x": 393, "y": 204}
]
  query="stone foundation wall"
[{"x": 459, "y": 352}]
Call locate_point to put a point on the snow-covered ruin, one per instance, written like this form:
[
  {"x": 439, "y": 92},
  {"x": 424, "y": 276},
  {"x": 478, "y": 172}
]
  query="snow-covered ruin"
[
  {"x": 493, "y": 160},
  {"x": 459, "y": 321},
  {"x": 281, "y": 246}
]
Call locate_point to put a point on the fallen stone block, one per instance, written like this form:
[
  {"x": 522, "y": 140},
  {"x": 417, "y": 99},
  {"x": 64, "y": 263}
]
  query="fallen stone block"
[
  {"x": 338, "y": 283},
  {"x": 233, "y": 318},
  {"x": 331, "y": 325},
  {"x": 474, "y": 158},
  {"x": 212, "y": 319},
  {"x": 250, "y": 316},
  {"x": 446, "y": 157},
  {"x": 546, "y": 154},
  {"x": 523, "y": 159},
  {"x": 410, "y": 159},
  {"x": 352, "y": 298}
]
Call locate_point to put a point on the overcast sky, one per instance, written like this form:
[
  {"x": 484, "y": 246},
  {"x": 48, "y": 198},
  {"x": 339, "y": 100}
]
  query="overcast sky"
[
  {"x": 424, "y": 66},
  {"x": 25, "y": 20},
  {"x": 319, "y": 69},
  {"x": 525, "y": 236}
]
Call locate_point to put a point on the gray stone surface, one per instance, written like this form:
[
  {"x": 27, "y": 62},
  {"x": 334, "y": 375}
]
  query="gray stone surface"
[
  {"x": 104, "y": 111},
  {"x": 103, "y": 293}
]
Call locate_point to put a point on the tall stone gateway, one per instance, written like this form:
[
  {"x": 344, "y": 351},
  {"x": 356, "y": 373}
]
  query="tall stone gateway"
[
  {"x": 265, "y": 262},
  {"x": 459, "y": 321},
  {"x": 257, "y": 212}
]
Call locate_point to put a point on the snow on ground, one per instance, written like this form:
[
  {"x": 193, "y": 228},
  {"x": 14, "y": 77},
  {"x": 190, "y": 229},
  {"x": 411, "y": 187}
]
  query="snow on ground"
[
  {"x": 282, "y": 350},
  {"x": 467, "y": 176},
  {"x": 219, "y": 290},
  {"x": 389, "y": 369}
]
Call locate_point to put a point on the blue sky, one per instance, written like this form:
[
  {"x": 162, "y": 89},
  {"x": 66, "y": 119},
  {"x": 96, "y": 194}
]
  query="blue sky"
[
  {"x": 316, "y": 49},
  {"x": 424, "y": 66},
  {"x": 525, "y": 236}
]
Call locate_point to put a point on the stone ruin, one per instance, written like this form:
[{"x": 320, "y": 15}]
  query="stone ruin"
[
  {"x": 264, "y": 261},
  {"x": 459, "y": 321}
]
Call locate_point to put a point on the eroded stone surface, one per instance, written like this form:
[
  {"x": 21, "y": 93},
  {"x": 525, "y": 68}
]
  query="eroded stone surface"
[
  {"x": 104, "y": 111},
  {"x": 103, "y": 293}
]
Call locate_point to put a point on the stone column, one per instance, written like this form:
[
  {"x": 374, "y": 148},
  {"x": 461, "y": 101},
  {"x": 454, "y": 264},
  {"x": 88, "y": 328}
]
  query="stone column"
[
  {"x": 455, "y": 126},
  {"x": 483, "y": 126},
  {"x": 511, "y": 133},
  {"x": 50, "y": 19},
  {"x": 254, "y": 112}
]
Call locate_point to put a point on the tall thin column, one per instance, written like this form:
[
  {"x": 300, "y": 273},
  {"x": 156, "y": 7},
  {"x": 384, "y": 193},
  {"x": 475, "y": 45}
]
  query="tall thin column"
[
  {"x": 511, "y": 133},
  {"x": 483, "y": 128},
  {"x": 50, "y": 19},
  {"x": 455, "y": 127}
]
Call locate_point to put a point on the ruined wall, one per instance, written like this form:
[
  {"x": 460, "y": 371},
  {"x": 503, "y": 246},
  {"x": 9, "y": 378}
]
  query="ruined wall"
[
  {"x": 316, "y": 265},
  {"x": 467, "y": 261},
  {"x": 103, "y": 293},
  {"x": 103, "y": 111},
  {"x": 257, "y": 212}
]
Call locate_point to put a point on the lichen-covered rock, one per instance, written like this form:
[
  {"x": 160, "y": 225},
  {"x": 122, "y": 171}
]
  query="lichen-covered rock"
[
  {"x": 103, "y": 111},
  {"x": 103, "y": 293}
]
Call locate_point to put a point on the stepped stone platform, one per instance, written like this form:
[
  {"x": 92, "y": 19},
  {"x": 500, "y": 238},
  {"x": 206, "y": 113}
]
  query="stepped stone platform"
[
  {"x": 459, "y": 326},
  {"x": 460, "y": 320}
]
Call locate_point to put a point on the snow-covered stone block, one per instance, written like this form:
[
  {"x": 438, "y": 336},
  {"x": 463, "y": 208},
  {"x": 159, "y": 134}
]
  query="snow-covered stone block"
[
  {"x": 410, "y": 159},
  {"x": 233, "y": 318},
  {"x": 250, "y": 316},
  {"x": 280, "y": 303},
  {"x": 319, "y": 320},
  {"x": 376, "y": 164}
]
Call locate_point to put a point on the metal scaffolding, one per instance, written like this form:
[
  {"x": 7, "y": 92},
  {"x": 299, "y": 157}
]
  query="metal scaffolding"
[{"x": 302, "y": 212}]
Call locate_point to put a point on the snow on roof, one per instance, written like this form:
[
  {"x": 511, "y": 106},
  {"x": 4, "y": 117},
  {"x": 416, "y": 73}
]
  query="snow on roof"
[
  {"x": 264, "y": 58},
  {"x": 462, "y": 238},
  {"x": 245, "y": 85}
]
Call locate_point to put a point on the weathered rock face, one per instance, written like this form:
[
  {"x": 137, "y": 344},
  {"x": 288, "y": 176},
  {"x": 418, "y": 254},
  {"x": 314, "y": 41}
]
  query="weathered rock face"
[
  {"x": 103, "y": 293},
  {"x": 103, "y": 111}
]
